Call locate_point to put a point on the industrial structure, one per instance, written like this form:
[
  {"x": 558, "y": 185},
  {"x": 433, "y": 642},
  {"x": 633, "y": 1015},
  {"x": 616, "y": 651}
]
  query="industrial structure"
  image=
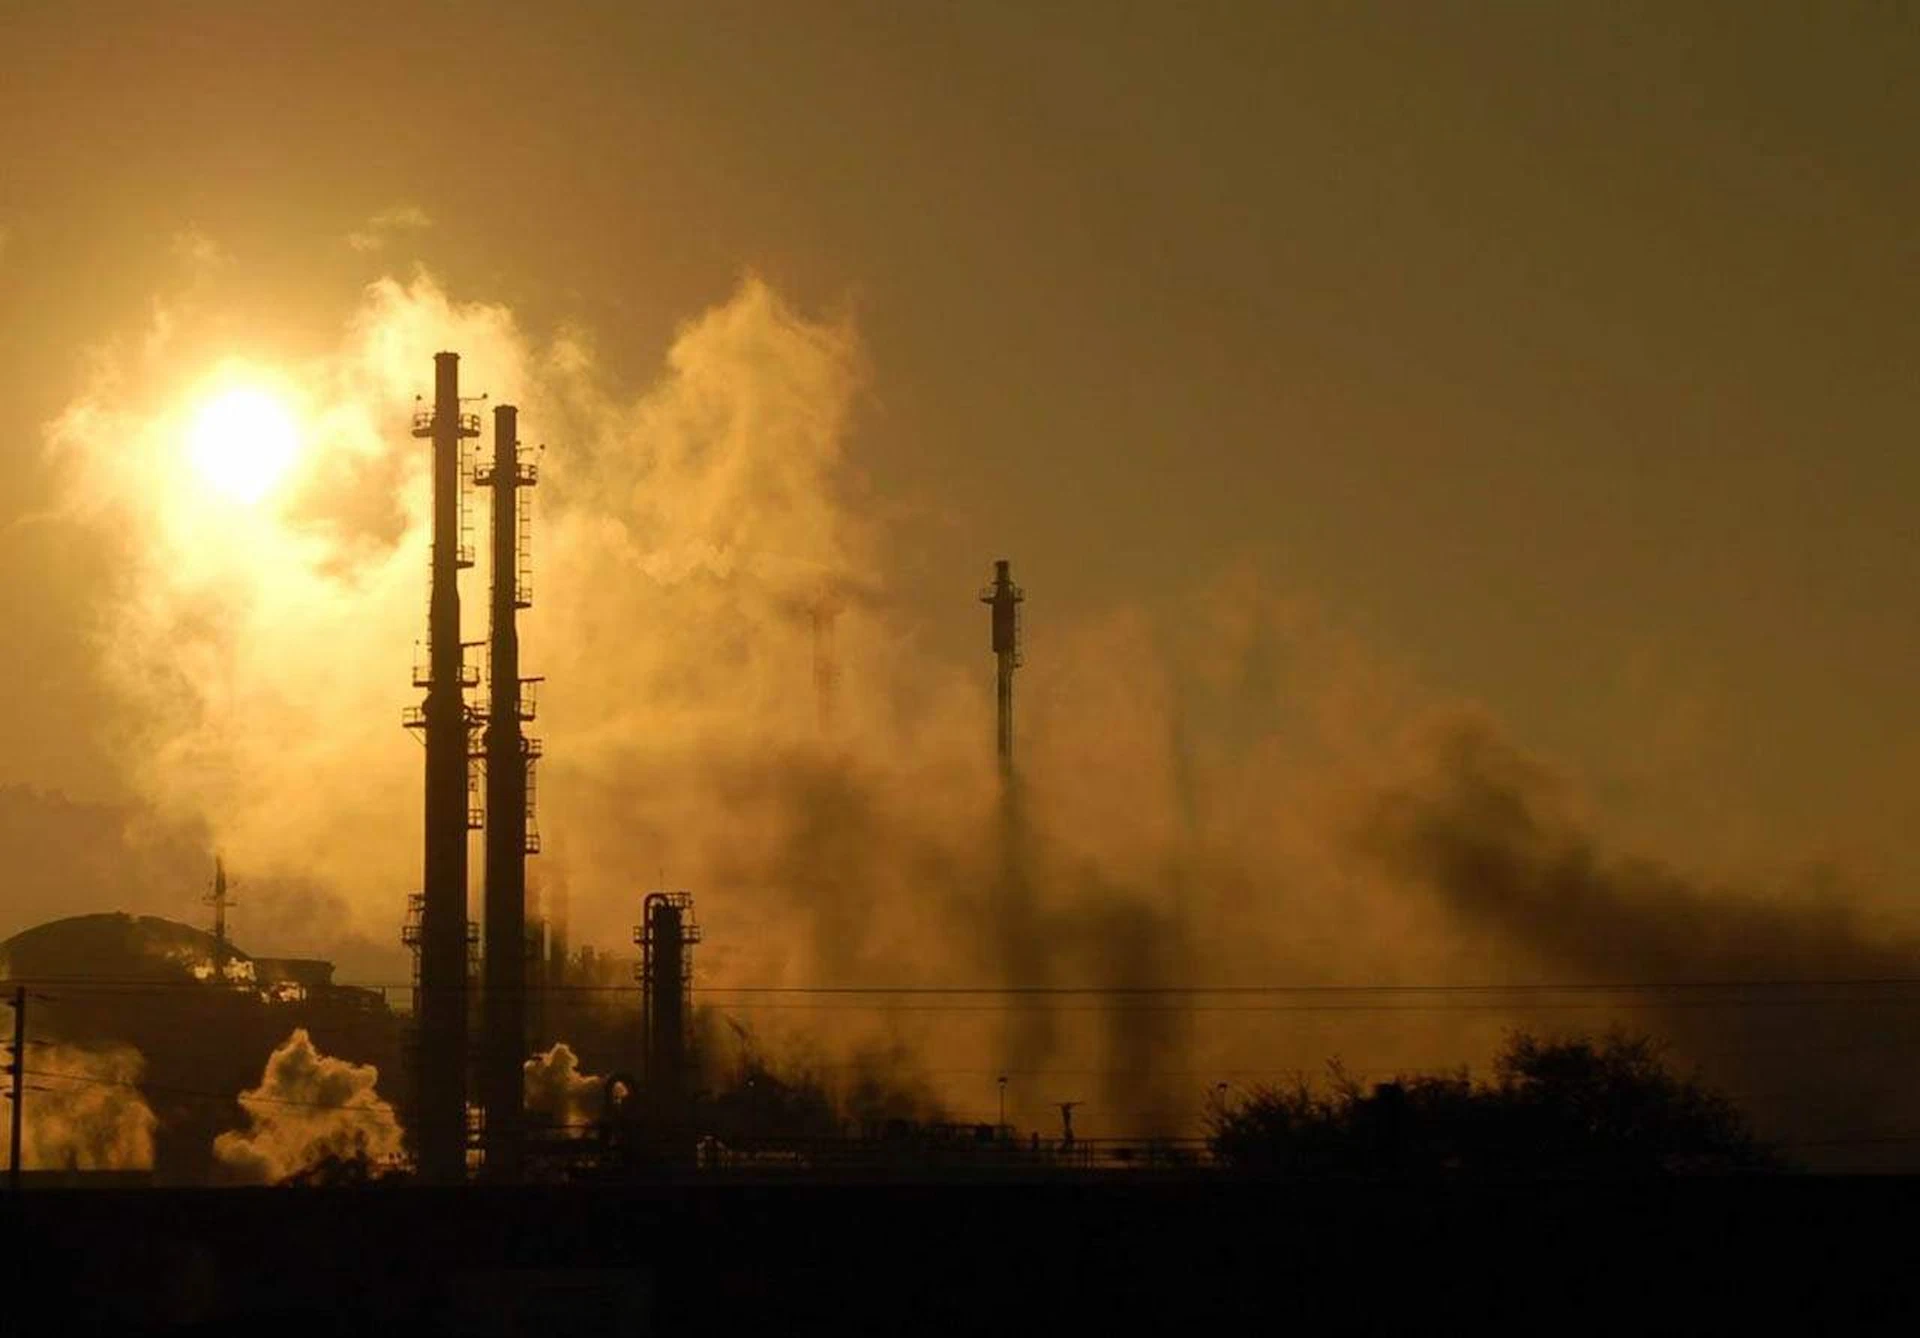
[
  {"x": 463, "y": 742},
  {"x": 202, "y": 1013},
  {"x": 219, "y": 898},
  {"x": 441, "y": 934},
  {"x": 1005, "y": 598},
  {"x": 511, "y": 832},
  {"x": 666, "y": 935},
  {"x": 467, "y": 740}
]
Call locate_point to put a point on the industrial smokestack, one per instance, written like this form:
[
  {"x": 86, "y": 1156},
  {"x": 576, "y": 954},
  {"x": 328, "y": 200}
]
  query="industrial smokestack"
[
  {"x": 441, "y": 1118},
  {"x": 510, "y": 832},
  {"x": 1005, "y": 598}
]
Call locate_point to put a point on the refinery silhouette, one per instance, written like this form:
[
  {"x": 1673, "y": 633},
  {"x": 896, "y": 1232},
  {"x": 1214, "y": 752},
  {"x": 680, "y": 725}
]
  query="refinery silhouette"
[
  {"x": 474, "y": 1074},
  {"x": 518, "y": 1065},
  {"x": 536, "y": 796}
]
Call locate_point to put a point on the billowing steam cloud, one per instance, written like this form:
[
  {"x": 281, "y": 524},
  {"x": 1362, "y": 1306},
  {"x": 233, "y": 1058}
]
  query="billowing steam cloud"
[
  {"x": 84, "y": 1110},
  {"x": 1188, "y": 790},
  {"x": 309, "y": 1108},
  {"x": 560, "y": 1094},
  {"x": 681, "y": 538}
]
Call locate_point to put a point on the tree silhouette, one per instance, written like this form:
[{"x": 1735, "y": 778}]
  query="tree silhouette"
[{"x": 1573, "y": 1107}]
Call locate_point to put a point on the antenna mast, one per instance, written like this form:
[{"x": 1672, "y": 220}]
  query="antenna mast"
[{"x": 219, "y": 899}]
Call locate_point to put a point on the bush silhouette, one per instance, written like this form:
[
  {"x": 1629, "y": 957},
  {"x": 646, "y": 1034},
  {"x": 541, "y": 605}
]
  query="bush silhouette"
[{"x": 1573, "y": 1107}]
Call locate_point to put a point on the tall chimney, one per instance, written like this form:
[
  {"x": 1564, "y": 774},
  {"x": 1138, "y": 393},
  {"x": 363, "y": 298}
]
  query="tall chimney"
[
  {"x": 1004, "y": 598},
  {"x": 441, "y": 1116},
  {"x": 509, "y": 756}
]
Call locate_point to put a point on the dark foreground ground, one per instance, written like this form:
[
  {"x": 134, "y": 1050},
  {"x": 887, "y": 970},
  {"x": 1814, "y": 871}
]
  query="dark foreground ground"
[{"x": 1108, "y": 1255}]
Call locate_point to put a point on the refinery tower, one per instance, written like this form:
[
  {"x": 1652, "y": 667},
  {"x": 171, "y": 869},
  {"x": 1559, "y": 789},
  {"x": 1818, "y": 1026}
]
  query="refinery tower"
[
  {"x": 463, "y": 741},
  {"x": 439, "y": 935}
]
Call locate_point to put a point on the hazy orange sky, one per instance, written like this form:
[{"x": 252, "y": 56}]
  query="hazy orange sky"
[{"x": 1567, "y": 351}]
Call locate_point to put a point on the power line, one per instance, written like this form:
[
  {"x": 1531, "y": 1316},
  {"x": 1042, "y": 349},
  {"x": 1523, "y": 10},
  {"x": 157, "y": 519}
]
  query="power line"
[
  {"x": 1179, "y": 1002},
  {"x": 1616, "y": 987},
  {"x": 1429, "y": 1008},
  {"x": 212, "y": 987},
  {"x": 107, "y": 984}
]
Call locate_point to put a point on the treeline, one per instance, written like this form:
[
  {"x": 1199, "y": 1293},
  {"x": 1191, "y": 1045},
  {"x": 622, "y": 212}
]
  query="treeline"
[{"x": 1578, "y": 1107}]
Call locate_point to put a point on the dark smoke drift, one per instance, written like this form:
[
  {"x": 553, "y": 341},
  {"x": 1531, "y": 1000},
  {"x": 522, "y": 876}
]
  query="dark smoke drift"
[{"x": 1822, "y": 1066}]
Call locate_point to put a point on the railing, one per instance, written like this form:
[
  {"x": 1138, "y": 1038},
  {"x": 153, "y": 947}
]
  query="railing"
[
  {"x": 467, "y": 424},
  {"x": 611, "y": 1149},
  {"x": 526, "y": 471},
  {"x": 469, "y": 675}
]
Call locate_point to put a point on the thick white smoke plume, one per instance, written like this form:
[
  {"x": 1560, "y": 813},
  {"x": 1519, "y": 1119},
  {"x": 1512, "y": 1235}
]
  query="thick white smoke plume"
[
  {"x": 560, "y": 1094},
  {"x": 309, "y": 1108},
  {"x": 84, "y": 1110}
]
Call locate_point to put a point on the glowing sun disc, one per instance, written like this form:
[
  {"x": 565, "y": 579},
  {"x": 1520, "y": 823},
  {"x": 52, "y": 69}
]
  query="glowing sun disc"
[{"x": 242, "y": 442}]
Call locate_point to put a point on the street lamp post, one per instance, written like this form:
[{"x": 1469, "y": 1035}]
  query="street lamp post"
[{"x": 1003, "y": 1106}]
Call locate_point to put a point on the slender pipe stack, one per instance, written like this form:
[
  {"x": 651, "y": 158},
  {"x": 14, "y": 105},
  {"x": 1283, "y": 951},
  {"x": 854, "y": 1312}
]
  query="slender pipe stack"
[
  {"x": 440, "y": 1117},
  {"x": 508, "y": 755},
  {"x": 1003, "y": 597}
]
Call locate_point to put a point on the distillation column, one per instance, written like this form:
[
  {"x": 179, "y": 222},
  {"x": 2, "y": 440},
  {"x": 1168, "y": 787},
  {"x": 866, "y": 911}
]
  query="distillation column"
[
  {"x": 441, "y": 1116},
  {"x": 509, "y": 759},
  {"x": 666, "y": 936}
]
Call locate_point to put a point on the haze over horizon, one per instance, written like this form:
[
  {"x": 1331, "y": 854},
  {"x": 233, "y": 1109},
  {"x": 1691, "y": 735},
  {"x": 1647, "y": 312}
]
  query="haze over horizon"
[{"x": 1383, "y": 406}]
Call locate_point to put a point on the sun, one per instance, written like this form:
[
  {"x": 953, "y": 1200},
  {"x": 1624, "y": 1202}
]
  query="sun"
[{"x": 242, "y": 443}]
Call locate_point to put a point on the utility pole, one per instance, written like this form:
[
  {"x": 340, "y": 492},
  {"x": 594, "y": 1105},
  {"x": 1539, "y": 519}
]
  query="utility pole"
[{"x": 18, "y": 1068}]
